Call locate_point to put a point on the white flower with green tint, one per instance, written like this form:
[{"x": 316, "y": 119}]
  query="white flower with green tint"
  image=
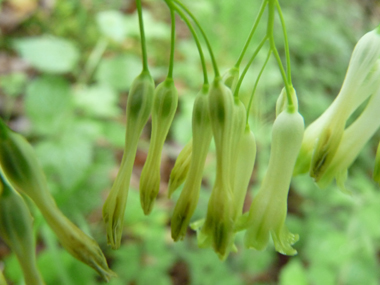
[
  {"x": 353, "y": 140},
  {"x": 323, "y": 136},
  {"x": 268, "y": 210}
]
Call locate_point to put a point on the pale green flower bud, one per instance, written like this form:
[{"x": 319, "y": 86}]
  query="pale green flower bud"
[
  {"x": 282, "y": 101},
  {"x": 17, "y": 231},
  {"x": 231, "y": 78},
  {"x": 181, "y": 168},
  {"x": 139, "y": 106},
  {"x": 19, "y": 163},
  {"x": 202, "y": 134},
  {"x": 165, "y": 103},
  {"x": 323, "y": 136},
  {"x": 269, "y": 208},
  {"x": 245, "y": 156},
  {"x": 353, "y": 140}
]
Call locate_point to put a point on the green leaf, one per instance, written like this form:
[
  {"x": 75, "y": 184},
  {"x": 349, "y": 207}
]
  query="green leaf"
[
  {"x": 98, "y": 100},
  {"x": 48, "y": 53},
  {"x": 13, "y": 84},
  {"x": 293, "y": 274},
  {"x": 119, "y": 72},
  {"x": 47, "y": 103},
  {"x": 69, "y": 158},
  {"x": 114, "y": 133},
  {"x": 112, "y": 24}
]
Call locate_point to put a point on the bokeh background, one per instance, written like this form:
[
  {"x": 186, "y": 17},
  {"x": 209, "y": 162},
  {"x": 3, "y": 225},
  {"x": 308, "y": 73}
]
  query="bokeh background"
[{"x": 65, "y": 71}]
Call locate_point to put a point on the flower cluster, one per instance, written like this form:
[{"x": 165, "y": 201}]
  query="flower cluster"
[{"x": 330, "y": 146}]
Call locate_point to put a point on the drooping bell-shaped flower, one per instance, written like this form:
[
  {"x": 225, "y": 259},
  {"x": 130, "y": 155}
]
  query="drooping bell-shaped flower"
[
  {"x": 17, "y": 231},
  {"x": 353, "y": 140},
  {"x": 245, "y": 161},
  {"x": 202, "y": 134},
  {"x": 268, "y": 210},
  {"x": 225, "y": 115},
  {"x": 323, "y": 136},
  {"x": 181, "y": 168},
  {"x": 139, "y": 106},
  {"x": 20, "y": 166},
  {"x": 165, "y": 103}
]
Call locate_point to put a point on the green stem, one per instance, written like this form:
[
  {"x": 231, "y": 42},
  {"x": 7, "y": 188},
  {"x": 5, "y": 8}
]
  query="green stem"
[
  {"x": 172, "y": 43},
  {"x": 261, "y": 11},
  {"x": 256, "y": 83},
  {"x": 214, "y": 64},
  {"x": 142, "y": 34},
  {"x": 271, "y": 9},
  {"x": 196, "y": 39},
  {"x": 237, "y": 89},
  {"x": 286, "y": 42}
]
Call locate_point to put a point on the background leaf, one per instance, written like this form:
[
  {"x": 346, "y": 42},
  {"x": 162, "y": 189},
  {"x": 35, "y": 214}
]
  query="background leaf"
[{"x": 48, "y": 53}]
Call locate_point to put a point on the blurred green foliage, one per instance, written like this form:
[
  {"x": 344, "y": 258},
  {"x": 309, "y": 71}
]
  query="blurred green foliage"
[{"x": 70, "y": 99}]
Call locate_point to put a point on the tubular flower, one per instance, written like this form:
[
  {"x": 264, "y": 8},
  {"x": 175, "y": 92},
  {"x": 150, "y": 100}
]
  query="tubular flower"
[
  {"x": 21, "y": 168},
  {"x": 165, "y": 103},
  {"x": 218, "y": 229},
  {"x": 16, "y": 230},
  {"x": 181, "y": 168},
  {"x": 353, "y": 140},
  {"x": 268, "y": 210},
  {"x": 139, "y": 105},
  {"x": 245, "y": 161},
  {"x": 323, "y": 136},
  {"x": 202, "y": 134}
]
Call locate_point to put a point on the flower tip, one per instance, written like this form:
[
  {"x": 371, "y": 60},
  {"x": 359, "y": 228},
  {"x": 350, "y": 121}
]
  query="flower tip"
[
  {"x": 106, "y": 273},
  {"x": 284, "y": 240},
  {"x": 113, "y": 225}
]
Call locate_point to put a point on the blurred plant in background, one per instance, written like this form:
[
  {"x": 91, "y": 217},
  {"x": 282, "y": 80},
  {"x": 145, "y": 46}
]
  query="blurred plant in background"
[{"x": 65, "y": 71}]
